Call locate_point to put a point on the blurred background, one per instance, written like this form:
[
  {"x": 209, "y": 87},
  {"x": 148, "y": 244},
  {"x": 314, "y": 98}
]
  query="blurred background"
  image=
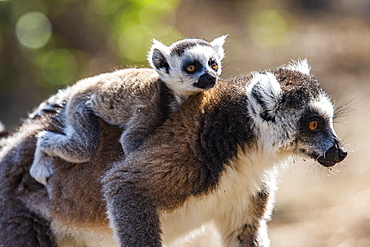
[{"x": 46, "y": 45}]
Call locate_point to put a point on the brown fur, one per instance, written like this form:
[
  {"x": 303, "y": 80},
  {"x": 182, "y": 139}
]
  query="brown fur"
[
  {"x": 173, "y": 144},
  {"x": 72, "y": 199},
  {"x": 193, "y": 157},
  {"x": 21, "y": 197},
  {"x": 132, "y": 99}
]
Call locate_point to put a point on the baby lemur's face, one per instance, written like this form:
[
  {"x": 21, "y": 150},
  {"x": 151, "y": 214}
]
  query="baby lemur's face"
[{"x": 188, "y": 66}]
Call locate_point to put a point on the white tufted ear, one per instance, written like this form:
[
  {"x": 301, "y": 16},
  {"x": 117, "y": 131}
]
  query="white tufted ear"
[
  {"x": 217, "y": 44},
  {"x": 264, "y": 94},
  {"x": 157, "y": 57},
  {"x": 301, "y": 66}
]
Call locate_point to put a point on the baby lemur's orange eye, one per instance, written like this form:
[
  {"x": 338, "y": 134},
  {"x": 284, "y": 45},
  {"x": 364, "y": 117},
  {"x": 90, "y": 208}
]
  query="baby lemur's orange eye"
[
  {"x": 313, "y": 125},
  {"x": 213, "y": 64},
  {"x": 190, "y": 68}
]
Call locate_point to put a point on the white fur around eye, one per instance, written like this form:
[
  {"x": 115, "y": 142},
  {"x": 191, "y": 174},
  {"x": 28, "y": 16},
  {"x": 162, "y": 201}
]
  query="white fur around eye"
[{"x": 324, "y": 107}]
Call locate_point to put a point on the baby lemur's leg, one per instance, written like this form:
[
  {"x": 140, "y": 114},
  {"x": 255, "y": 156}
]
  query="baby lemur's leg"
[
  {"x": 80, "y": 139},
  {"x": 139, "y": 126},
  {"x": 77, "y": 144},
  {"x": 133, "y": 136}
]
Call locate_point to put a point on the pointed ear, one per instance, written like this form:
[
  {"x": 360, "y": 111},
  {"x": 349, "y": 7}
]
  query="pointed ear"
[
  {"x": 218, "y": 46},
  {"x": 301, "y": 66},
  {"x": 264, "y": 94},
  {"x": 157, "y": 57}
]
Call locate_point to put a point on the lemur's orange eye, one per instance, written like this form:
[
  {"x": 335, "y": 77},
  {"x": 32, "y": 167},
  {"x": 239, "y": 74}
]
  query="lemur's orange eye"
[
  {"x": 190, "y": 68},
  {"x": 313, "y": 125},
  {"x": 213, "y": 64}
]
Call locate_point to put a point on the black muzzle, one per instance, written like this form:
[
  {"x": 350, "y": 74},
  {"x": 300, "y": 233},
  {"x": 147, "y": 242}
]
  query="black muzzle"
[
  {"x": 334, "y": 155},
  {"x": 206, "y": 81}
]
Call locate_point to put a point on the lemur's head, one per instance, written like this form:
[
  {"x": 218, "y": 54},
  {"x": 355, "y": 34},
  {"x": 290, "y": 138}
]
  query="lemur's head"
[
  {"x": 189, "y": 65},
  {"x": 292, "y": 113}
]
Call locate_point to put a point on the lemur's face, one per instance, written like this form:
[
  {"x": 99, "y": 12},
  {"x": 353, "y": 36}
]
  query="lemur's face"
[
  {"x": 316, "y": 136},
  {"x": 292, "y": 113},
  {"x": 196, "y": 68},
  {"x": 189, "y": 65}
]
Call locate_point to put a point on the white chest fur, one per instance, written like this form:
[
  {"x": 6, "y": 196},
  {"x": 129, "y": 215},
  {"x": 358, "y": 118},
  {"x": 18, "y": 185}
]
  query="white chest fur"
[
  {"x": 84, "y": 238},
  {"x": 227, "y": 206}
]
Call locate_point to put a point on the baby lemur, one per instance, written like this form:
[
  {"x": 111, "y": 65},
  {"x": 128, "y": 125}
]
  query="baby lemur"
[{"x": 122, "y": 98}]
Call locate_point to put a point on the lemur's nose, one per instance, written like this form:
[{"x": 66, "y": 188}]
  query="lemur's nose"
[
  {"x": 335, "y": 154},
  {"x": 206, "y": 81},
  {"x": 211, "y": 78},
  {"x": 342, "y": 153}
]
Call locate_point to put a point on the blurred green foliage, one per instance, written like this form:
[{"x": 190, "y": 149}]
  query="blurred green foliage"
[
  {"x": 270, "y": 27},
  {"x": 48, "y": 44},
  {"x": 55, "y": 43}
]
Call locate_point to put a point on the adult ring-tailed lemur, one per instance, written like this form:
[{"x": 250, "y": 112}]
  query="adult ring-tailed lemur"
[{"x": 215, "y": 160}]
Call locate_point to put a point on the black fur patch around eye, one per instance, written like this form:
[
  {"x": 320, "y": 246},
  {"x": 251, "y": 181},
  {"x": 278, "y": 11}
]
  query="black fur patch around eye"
[
  {"x": 212, "y": 62},
  {"x": 180, "y": 48},
  {"x": 311, "y": 115},
  {"x": 197, "y": 64}
]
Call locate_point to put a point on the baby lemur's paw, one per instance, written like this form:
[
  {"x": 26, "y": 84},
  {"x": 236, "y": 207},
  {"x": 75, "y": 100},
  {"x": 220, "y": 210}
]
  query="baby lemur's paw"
[
  {"x": 127, "y": 149},
  {"x": 46, "y": 140},
  {"x": 131, "y": 144},
  {"x": 42, "y": 167},
  {"x": 70, "y": 148}
]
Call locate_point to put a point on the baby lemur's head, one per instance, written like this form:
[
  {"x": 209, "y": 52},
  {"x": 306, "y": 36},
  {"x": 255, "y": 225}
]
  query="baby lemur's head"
[{"x": 189, "y": 65}]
